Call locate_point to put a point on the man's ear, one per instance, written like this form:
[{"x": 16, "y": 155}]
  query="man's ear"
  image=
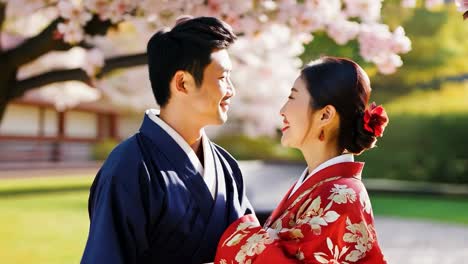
[{"x": 180, "y": 80}]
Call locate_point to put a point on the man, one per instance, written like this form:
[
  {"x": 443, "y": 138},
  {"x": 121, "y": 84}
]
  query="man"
[{"x": 166, "y": 194}]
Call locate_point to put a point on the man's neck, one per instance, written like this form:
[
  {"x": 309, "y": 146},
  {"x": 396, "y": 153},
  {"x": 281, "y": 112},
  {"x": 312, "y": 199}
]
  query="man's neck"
[{"x": 186, "y": 127}]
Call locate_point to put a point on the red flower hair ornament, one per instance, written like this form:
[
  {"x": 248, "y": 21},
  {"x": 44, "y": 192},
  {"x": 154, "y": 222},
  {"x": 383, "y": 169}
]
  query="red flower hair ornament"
[{"x": 375, "y": 119}]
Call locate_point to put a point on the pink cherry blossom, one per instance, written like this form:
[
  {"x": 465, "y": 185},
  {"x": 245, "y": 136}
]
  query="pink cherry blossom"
[
  {"x": 388, "y": 64},
  {"x": 408, "y": 3},
  {"x": 380, "y": 46},
  {"x": 96, "y": 6},
  {"x": 94, "y": 61},
  {"x": 24, "y": 7},
  {"x": 72, "y": 32},
  {"x": 271, "y": 33},
  {"x": 367, "y": 10},
  {"x": 342, "y": 30},
  {"x": 74, "y": 13},
  {"x": 400, "y": 42},
  {"x": 462, "y": 5},
  {"x": 433, "y": 3}
]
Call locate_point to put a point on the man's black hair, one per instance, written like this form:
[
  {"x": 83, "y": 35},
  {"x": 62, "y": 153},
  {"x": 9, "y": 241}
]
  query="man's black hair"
[{"x": 186, "y": 47}]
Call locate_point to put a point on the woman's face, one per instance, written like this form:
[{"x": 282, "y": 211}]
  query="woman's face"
[{"x": 297, "y": 116}]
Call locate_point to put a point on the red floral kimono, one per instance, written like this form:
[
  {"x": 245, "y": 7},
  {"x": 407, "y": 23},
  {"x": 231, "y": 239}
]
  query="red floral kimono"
[{"x": 327, "y": 220}]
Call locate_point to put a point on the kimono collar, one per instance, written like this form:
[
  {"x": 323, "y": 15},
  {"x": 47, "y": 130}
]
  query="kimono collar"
[
  {"x": 208, "y": 171},
  {"x": 335, "y": 160},
  {"x": 338, "y": 159},
  {"x": 153, "y": 115},
  {"x": 342, "y": 169}
]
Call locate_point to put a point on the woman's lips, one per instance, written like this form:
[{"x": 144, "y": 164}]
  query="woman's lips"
[{"x": 285, "y": 124}]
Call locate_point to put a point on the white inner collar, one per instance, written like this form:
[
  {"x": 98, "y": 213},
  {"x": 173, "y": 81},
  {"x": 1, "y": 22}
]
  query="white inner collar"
[
  {"x": 208, "y": 171},
  {"x": 305, "y": 175},
  {"x": 153, "y": 115}
]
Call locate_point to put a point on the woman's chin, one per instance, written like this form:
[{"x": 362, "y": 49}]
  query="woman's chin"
[
  {"x": 288, "y": 142},
  {"x": 284, "y": 142}
]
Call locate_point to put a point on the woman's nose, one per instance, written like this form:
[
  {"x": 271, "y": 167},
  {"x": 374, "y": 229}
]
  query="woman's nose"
[{"x": 281, "y": 112}]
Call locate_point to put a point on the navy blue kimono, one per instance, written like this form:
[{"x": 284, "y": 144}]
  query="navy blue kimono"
[{"x": 148, "y": 204}]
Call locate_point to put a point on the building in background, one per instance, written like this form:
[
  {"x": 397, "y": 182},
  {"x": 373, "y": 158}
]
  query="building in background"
[
  {"x": 60, "y": 122},
  {"x": 34, "y": 130}
]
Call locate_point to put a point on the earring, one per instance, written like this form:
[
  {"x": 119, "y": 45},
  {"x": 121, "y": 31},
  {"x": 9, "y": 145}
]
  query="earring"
[{"x": 322, "y": 136}]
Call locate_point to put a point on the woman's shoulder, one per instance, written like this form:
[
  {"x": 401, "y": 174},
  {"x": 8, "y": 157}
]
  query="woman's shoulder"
[
  {"x": 342, "y": 193},
  {"x": 336, "y": 183}
]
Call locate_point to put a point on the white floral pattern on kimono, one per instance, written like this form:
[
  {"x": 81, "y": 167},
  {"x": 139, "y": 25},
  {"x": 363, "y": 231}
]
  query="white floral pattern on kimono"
[{"x": 328, "y": 220}]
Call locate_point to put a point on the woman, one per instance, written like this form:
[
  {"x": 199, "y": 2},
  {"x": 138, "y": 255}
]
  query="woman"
[{"x": 326, "y": 216}]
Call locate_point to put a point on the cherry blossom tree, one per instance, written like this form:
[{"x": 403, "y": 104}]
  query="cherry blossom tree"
[
  {"x": 462, "y": 7},
  {"x": 109, "y": 35}
]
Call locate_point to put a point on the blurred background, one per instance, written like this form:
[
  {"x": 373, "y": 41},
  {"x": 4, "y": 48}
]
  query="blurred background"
[{"x": 74, "y": 83}]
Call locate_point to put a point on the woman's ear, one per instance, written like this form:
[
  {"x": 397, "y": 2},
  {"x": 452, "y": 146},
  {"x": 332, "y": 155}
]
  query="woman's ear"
[{"x": 327, "y": 114}]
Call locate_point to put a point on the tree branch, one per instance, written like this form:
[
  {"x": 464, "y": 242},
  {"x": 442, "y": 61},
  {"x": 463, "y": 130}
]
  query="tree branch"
[
  {"x": 46, "y": 78},
  {"x": 36, "y": 46},
  {"x": 124, "y": 61},
  {"x": 45, "y": 41}
]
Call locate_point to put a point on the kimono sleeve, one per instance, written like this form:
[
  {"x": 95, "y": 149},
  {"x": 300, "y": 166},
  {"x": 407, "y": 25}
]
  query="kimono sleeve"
[
  {"x": 333, "y": 224},
  {"x": 117, "y": 215}
]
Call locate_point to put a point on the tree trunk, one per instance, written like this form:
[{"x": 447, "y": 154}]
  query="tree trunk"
[
  {"x": 2, "y": 110},
  {"x": 7, "y": 84},
  {"x": 3, "y": 97}
]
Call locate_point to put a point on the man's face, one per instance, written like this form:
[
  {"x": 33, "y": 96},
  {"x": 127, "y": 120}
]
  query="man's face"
[{"x": 210, "y": 102}]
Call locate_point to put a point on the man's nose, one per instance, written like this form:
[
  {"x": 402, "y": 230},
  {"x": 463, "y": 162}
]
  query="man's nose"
[{"x": 231, "y": 88}]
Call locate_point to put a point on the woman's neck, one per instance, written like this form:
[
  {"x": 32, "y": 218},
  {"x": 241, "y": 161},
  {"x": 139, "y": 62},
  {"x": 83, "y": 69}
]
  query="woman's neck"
[{"x": 314, "y": 156}]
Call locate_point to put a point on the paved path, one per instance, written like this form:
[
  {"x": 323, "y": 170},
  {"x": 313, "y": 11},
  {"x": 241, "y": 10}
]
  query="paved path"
[{"x": 417, "y": 242}]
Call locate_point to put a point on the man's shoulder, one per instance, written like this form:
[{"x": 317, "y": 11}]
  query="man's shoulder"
[
  {"x": 126, "y": 151},
  {"x": 125, "y": 158}
]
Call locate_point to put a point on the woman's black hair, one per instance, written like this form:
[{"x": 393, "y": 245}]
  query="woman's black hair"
[{"x": 343, "y": 84}]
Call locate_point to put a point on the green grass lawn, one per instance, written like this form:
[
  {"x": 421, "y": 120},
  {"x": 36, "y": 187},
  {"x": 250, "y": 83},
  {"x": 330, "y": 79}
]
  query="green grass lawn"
[
  {"x": 449, "y": 100},
  {"x": 43, "y": 228},
  {"x": 420, "y": 207},
  {"x": 46, "y": 220}
]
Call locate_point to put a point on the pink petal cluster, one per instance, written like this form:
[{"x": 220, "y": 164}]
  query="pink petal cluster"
[
  {"x": 342, "y": 30},
  {"x": 94, "y": 61},
  {"x": 430, "y": 4},
  {"x": 73, "y": 13},
  {"x": 380, "y": 46},
  {"x": 113, "y": 10},
  {"x": 271, "y": 33},
  {"x": 71, "y": 32},
  {"x": 462, "y": 5},
  {"x": 408, "y": 3},
  {"x": 366, "y": 10},
  {"x": 75, "y": 18}
]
